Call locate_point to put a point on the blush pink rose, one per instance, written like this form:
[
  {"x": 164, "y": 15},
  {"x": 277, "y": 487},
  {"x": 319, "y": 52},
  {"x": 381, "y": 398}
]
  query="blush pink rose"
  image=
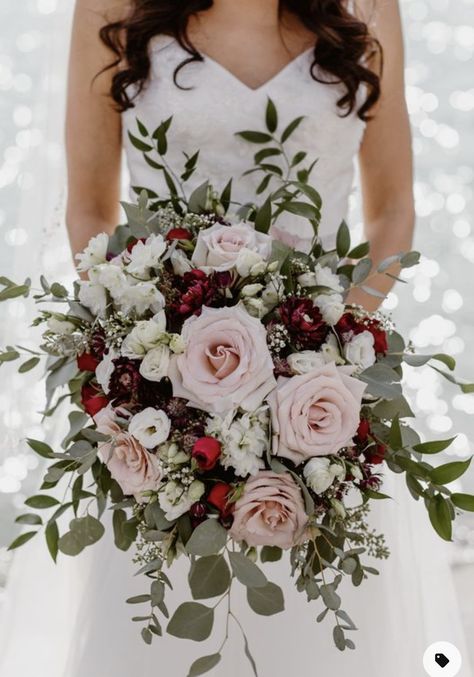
[
  {"x": 270, "y": 512},
  {"x": 220, "y": 246},
  {"x": 315, "y": 414},
  {"x": 133, "y": 468},
  {"x": 226, "y": 362}
]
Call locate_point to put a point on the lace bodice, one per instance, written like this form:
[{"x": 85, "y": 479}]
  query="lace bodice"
[{"x": 216, "y": 104}]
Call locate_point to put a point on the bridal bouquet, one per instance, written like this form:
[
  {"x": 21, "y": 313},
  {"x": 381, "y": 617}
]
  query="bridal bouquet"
[{"x": 228, "y": 404}]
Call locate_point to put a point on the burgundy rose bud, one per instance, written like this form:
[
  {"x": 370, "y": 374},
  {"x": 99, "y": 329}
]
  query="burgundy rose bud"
[
  {"x": 179, "y": 234},
  {"x": 206, "y": 451},
  {"x": 198, "y": 510},
  {"x": 376, "y": 455},
  {"x": 132, "y": 242},
  {"x": 87, "y": 362},
  {"x": 347, "y": 324},
  {"x": 363, "y": 430},
  {"x": 304, "y": 322},
  {"x": 218, "y": 497},
  {"x": 92, "y": 399}
]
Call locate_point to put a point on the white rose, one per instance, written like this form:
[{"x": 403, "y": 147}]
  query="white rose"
[
  {"x": 305, "y": 361},
  {"x": 249, "y": 263},
  {"x": 154, "y": 365},
  {"x": 255, "y": 307},
  {"x": 180, "y": 262},
  {"x": 330, "y": 350},
  {"x": 62, "y": 327},
  {"x": 140, "y": 298},
  {"x": 196, "y": 490},
  {"x": 150, "y": 427},
  {"x": 144, "y": 336},
  {"x": 146, "y": 255},
  {"x": 93, "y": 296},
  {"x": 105, "y": 369},
  {"x": 360, "y": 350},
  {"x": 94, "y": 253},
  {"x": 331, "y": 306},
  {"x": 320, "y": 473},
  {"x": 273, "y": 292},
  {"x": 326, "y": 278}
]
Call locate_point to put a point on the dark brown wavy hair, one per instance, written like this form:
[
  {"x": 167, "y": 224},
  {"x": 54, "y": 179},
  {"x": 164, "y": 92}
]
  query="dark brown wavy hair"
[{"x": 343, "y": 47}]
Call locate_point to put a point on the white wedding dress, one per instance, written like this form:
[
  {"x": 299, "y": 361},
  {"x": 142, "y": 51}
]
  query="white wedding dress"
[{"x": 71, "y": 620}]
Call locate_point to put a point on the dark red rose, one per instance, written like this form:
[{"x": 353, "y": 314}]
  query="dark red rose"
[
  {"x": 376, "y": 454},
  {"x": 198, "y": 510},
  {"x": 218, "y": 497},
  {"x": 87, "y": 362},
  {"x": 379, "y": 334},
  {"x": 206, "y": 451},
  {"x": 363, "y": 430},
  {"x": 125, "y": 380},
  {"x": 179, "y": 234},
  {"x": 93, "y": 399},
  {"x": 98, "y": 347},
  {"x": 304, "y": 322}
]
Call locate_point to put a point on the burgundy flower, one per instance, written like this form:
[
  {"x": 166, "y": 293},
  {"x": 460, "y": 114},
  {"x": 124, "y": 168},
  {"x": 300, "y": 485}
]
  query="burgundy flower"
[
  {"x": 125, "y": 380},
  {"x": 304, "y": 322},
  {"x": 92, "y": 399},
  {"x": 347, "y": 324},
  {"x": 218, "y": 498},
  {"x": 179, "y": 234},
  {"x": 363, "y": 431},
  {"x": 133, "y": 241},
  {"x": 87, "y": 362},
  {"x": 376, "y": 454},
  {"x": 380, "y": 336},
  {"x": 196, "y": 289},
  {"x": 206, "y": 451}
]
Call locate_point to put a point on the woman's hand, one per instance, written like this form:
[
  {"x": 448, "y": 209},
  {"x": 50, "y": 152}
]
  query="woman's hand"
[{"x": 385, "y": 157}]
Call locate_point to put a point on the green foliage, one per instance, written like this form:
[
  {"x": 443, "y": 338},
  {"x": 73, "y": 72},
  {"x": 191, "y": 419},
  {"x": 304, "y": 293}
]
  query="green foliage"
[
  {"x": 246, "y": 571},
  {"x": 191, "y": 620},
  {"x": 209, "y": 576},
  {"x": 208, "y": 538},
  {"x": 266, "y": 600},
  {"x": 22, "y": 539},
  {"x": 83, "y": 531},
  {"x": 204, "y": 664}
]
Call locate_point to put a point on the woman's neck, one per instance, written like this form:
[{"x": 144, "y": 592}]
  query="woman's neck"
[{"x": 260, "y": 13}]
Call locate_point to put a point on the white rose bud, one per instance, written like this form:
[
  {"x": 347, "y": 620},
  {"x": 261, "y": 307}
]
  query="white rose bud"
[
  {"x": 324, "y": 277},
  {"x": 273, "y": 266},
  {"x": 180, "y": 262},
  {"x": 320, "y": 473},
  {"x": 307, "y": 279},
  {"x": 154, "y": 365},
  {"x": 93, "y": 297},
  {"x": 360, "y": 350},
  {"x": 331, "y": 306},
  {"x": 150, "y": 427},
  {"x": 338, "y": 507},
  {"x": 105, "y": 369},
  {"x": 196, "y": 490},
  {"x": 176, "y": 343},
  {"x": 249, "y": 262},
  {"x": 330, "y": 351},
  {"x": 94, "y": 254},
  {"x": 356, "y": 472},
  {"x": 305, "y": 361},
  {"x": 255, "y": 307},
  {"x": 251, "y": 289},
  {"x": 145, "y": 335}
]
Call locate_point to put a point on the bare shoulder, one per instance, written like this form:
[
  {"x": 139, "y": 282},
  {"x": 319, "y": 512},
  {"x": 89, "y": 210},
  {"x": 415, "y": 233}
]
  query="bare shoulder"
[
  {"x": 109, "y": 10},
  {"x": 378, "y": 14}
]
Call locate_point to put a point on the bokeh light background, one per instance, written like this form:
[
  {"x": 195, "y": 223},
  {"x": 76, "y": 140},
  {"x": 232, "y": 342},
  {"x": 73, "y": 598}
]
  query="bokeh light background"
[{"x": 435, "y": 308}]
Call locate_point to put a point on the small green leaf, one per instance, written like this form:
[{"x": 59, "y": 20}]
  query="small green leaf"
[
  {"x": 339, "y": 638},
  {"x": 330, "y": 597},
  {"x": 440, "y": 516},
  {"x": 444, "y": 474},
  {"x": 209, "y": 577},
  {"x": 359, "y": 251},
  {"x": 343, "y": 240},
  {"x": 207, "y": 539},
  {"x": 291, "y": 128},
  {"x": 147, "y": 635},
  {"x": 271, "y": 553},
  {"x": 58, "y": 291},
  {"x": 41, "y": 502},
  {"x": 463, "y": 501},
  {"x": 433, "y": 447},
  {"x": 271, "y": 116},
  {"x": 361, "y": 271},
  {"x": 395, "y": 438},
  {"x": 52, "y": 539},
  {"x": 204, "y": 664},
  {"x": 410, "y": 259},
  {"x": 139, "y": 144},
  {"x": 30, "y": 518},
  {"x": 246, "y": 571},
  {"x": 263, "y": 218},
  {"x": 41, "y": 448},
  {"x": 255, "y": 137},
  {"x": 191, "y": 620},
  {"x": 266, "y": 600},
  {"x": 28, "y": 365},
  {"x": 139, "y": 599},
  {"x": 22, "y": 539}
]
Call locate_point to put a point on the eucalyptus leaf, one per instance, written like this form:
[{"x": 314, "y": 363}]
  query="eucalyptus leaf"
[
  {"x": 191, "y": 620},
  {"x": 246, "y": 571},
  {"x": 204, "y": 664},
  {"x": 266, "y": 600},
  {"x": 271, "y": 553},
  {"x": 208, "y": 538},
  {"x": 361, "y": 271},
  {"x": 209, "y": 577}
]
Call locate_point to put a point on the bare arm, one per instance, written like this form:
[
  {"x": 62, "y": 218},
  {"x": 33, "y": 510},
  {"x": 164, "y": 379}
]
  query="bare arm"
[
  {"x": 385, "y": 157},
  {"x": 93, "y": 127}
]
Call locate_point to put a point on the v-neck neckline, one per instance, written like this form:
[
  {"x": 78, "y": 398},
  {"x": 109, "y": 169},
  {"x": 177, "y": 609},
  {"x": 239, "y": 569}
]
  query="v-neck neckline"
[{"x": 216, "y": 64}]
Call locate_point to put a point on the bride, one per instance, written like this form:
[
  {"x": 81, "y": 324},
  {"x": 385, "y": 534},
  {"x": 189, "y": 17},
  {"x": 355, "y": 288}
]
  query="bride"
[{"x": 212, "y": 66}]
